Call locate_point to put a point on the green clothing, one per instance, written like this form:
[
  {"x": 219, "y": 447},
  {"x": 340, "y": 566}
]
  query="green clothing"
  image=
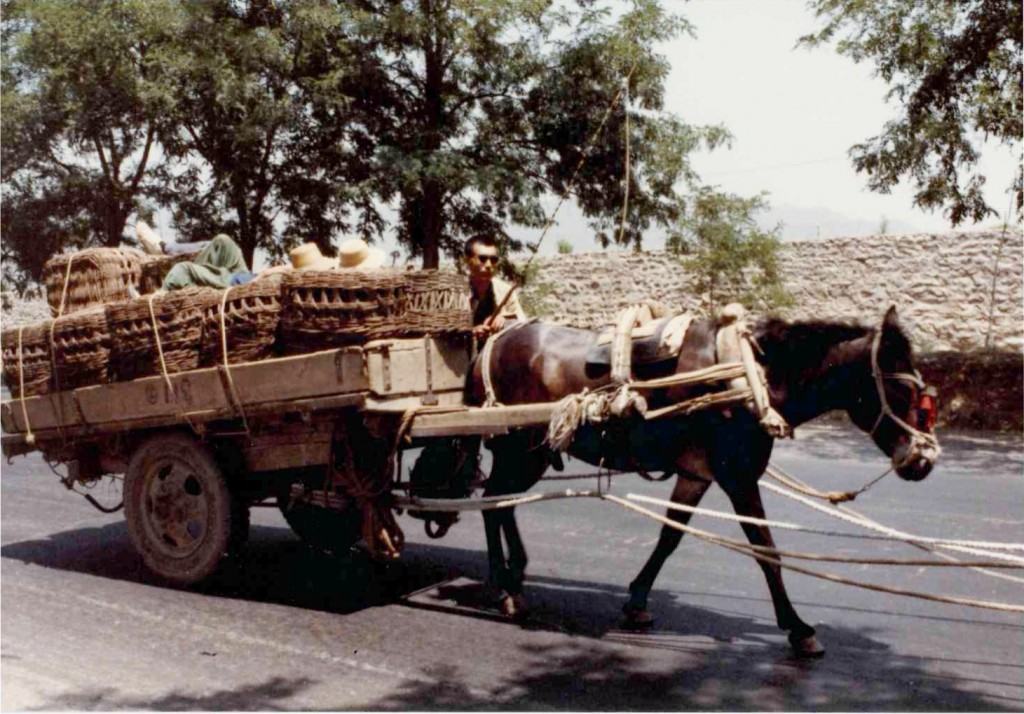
[{"x": 213, "y": 267}]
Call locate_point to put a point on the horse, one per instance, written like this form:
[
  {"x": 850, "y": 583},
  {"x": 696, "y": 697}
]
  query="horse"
[{"x": 810, "y": 367}]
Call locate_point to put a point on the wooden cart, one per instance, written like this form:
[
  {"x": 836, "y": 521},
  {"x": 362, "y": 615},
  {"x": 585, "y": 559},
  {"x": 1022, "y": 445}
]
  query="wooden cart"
[{"x": 199, "y": 448}]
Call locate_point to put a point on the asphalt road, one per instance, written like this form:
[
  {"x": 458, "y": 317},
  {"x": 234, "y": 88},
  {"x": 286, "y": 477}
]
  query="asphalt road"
[{"x": 85, "y": 627}]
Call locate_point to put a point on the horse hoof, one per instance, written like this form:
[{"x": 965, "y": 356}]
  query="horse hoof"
[
  {"x": 514, "y": 607},
  {"x": 808, "y": 647},
  {"x": 637, "y": 619}
]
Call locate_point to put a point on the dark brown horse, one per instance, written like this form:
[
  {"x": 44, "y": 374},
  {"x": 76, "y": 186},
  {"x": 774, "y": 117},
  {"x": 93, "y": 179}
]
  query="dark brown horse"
[{"x": 811, "y": 368}]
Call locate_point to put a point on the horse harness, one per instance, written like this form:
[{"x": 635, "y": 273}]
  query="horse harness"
[{"x": 924, "y": 404}]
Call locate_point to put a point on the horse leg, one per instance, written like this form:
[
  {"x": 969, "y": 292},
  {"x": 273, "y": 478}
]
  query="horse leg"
[
  {"x": 688, "y": 491},
  {"x": 747, "y": 502},
  {"x": 515, "y": 471}
]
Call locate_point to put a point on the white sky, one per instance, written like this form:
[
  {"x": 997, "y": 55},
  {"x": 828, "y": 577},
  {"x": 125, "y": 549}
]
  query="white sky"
[{"x": 794, "y": 114}]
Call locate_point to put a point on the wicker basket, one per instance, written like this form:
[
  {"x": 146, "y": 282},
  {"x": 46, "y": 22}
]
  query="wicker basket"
[
  {"x": 179, "y": 318},
  {"x": 35, "y": 365},
  {"x": 97, "y": 276},
  {"x": 324, "y": 309},
  {"x": 251, "y": 315},
  {"x": 155, "y": 269},
  {"x": 438, "y": 304},
  {"x": 81, "y": 349}
]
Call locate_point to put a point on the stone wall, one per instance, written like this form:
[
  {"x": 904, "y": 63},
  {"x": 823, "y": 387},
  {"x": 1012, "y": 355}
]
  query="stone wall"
[{"x": 954, "y": 291}]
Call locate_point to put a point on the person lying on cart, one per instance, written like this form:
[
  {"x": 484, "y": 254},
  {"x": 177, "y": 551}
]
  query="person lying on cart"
[{"x": 219, "y": 262}]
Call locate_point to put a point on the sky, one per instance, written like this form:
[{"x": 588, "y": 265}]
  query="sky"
[{"x": 794, "y": 114}]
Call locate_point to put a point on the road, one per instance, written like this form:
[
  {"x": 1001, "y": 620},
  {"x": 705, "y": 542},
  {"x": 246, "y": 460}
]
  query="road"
[{"x": 85, "y": 627}]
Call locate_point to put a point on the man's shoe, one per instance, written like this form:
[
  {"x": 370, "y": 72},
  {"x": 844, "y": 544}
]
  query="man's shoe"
[{"x": 149, "y": 238}]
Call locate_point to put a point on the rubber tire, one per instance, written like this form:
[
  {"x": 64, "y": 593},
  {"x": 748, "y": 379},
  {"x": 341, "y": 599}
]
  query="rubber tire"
[
  {"x": 326, "y": 531},
  {"x": 223, "y": 524}
]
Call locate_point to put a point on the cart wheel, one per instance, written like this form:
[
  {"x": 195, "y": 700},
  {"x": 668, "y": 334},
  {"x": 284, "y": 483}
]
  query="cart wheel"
[
  {"x": 181, "y": 516},
  {"x": 327, "y": 531}
]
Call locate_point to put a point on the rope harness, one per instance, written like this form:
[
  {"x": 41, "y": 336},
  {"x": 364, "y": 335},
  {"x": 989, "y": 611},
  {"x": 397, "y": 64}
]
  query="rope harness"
[{"x": 922, "y": 445}]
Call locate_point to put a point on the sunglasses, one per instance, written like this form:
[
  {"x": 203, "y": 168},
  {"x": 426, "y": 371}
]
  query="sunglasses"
[{"x": 493, "y": 259}]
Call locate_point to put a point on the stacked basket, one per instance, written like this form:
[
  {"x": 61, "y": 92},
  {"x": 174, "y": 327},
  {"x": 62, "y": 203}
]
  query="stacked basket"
[
  {"x": 324, "y": 309},
  {"x": 91, "y": 278},
  {"x": 81, "y": 349},
  {"x": 242, "y": 322},
  {"x": 27, "y": 359},
  {"x": 138, "y": 351},
  {"x": 197, "y": 327}
]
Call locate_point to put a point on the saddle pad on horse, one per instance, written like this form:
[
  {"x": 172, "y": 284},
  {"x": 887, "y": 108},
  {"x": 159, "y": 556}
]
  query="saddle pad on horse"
[{"x": 654, "y": 341}]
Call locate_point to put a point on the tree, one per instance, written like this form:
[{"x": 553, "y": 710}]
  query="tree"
[
  {"x": 955, "y": 67},
  {"x": 564, "y": 247},
  {"x": 490, "y": 106},
  {"x": 80, "y": 115},
  {"x": 728, "y": 256}
]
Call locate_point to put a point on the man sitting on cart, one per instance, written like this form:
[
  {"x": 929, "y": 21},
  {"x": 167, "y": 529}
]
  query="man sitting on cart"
[{"x": 487, "y": 292}]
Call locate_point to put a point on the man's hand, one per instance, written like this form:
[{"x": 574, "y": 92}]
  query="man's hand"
[{"x": 489, "y": 326}]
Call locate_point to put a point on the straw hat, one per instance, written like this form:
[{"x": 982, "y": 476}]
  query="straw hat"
[
  {"x": 308, "y": 257},
  {"x": 355, "y": 254}
]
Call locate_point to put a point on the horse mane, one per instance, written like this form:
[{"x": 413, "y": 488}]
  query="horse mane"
[{"x": 797, "y": 351}]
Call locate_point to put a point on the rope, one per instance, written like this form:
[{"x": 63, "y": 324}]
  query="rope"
[
  {"x": 30, "y": 438},
  {"x": 834, "y": 497},
  {"x": 753, "y": 553},
  {"x": 227, "y": 367},
  {"x": 163, "y": 365},
  {"x": 64, "y": 290},
  {"x": 760, "y": 553},
  {"x": 849, "y": 516}
]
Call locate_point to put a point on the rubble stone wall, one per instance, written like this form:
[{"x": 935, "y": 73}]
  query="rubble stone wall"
[{"x": 954, "y": 291}]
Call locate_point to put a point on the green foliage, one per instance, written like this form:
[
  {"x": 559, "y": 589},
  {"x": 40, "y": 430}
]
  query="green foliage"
[
  {"x": 564, "y": 247},
  {"x": 534, "y": 292},
  {"x": 266, "y": 119},
  {"x": 955, "y": 67},
  {"x": 728, "y": 256},
  {"x": 80, "y": 114}
]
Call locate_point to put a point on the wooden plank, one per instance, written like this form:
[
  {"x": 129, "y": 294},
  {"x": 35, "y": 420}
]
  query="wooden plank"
[
  {"x": 290, "y": 446},
  {"x": 200, "y": 392},
  {"x": 482, "y": 420},
  {"x": 300, "y": 406}
]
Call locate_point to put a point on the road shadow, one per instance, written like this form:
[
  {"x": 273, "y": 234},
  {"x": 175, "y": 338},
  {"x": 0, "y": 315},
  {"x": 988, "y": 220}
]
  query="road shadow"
[{"x": 715, "y": 657}]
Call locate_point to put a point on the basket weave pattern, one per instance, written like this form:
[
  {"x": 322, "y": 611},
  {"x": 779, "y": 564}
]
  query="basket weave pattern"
[
  {"x": 438, "y": 304},
  {"x": 324, "y": 309},
  {"x": 251, "y": 316},
  {"x": 179, "y": 319},
  {"x": 35, "y": 362},
  {"x": 81, "y": 349},
  {"x": 98, "y": 276}
]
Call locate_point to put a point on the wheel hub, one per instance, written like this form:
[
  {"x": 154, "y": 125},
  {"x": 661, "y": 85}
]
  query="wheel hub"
[{"x": 176, "y": 508}]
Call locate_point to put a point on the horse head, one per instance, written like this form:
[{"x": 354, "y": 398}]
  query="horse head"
[{"x": 896, "y": 407}]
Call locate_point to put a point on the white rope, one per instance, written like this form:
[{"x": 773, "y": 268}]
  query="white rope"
[{"x": 905, "y": 537}]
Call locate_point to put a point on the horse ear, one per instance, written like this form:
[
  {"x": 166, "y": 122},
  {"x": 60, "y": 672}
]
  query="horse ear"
[{"x": 891, "y": 320}]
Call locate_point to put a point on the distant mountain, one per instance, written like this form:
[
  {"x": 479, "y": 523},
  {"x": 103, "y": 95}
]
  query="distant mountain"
[{"x": 806, "y": 223}]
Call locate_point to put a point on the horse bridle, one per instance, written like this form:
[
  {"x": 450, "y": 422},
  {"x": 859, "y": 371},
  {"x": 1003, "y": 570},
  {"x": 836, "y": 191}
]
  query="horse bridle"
[{"x": 922, "y": 444}]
